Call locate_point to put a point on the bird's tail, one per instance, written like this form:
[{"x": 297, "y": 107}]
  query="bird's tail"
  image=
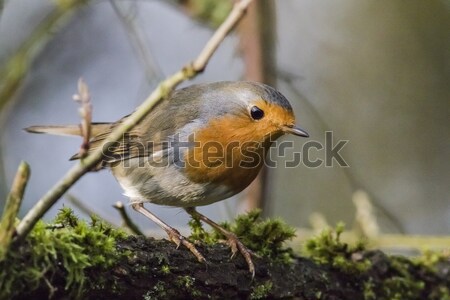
[{"x": 96, "y": 128}]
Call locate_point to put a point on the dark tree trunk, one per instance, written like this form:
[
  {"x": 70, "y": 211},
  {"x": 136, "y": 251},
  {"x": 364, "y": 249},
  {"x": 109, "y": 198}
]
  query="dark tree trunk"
[{"x": 155, "y": 269}]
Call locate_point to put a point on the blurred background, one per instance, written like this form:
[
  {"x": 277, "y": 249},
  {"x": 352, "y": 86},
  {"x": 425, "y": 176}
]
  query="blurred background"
[{"x": 375, "y": 73}]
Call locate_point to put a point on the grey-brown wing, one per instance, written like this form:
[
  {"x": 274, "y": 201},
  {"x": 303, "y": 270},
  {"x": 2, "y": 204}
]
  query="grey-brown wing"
[{"x": 156, "y": 133}]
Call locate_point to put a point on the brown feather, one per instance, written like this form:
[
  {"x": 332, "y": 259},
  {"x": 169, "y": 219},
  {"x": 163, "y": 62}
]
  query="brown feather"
[{"x": 71, "y": 130}]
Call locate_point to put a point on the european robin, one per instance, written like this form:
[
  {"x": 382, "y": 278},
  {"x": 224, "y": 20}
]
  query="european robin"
[{"x": 202, "y": 144}]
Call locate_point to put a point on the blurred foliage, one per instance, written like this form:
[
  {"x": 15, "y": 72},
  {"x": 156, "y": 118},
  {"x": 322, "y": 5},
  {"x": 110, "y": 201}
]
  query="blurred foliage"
[
  {"x": 401, "y": 278},
  {"x": 327, "y": 248},
  {"x": 14, "y": 71},
  {"x": 211, "y": 12}
]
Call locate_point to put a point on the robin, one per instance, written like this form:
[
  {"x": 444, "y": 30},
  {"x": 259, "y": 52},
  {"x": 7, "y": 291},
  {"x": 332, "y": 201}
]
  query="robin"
[{"x": 203, "y": 144}]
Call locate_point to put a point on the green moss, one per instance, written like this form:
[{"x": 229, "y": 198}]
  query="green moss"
[
  {"x": 328, "y": 249},
  {"x": 187, "y": 284},
  {"x": 198, "y": 233},
  {"x": 158, "y": 292},
  {"x": 261, "y": 291},
  {"x": 401, "y": 288},
  {"x": 165, "y": 269},
  {"x": 441, "y": 292},
  {"x": 430, "y": 259},
  {"x": 182, "y": 285},
  {"x": 401, "y": 278},
  {"x": 265, "y": 237},
  {"x": 70, "y": 246},
  {"x": 368, "y": 290},
  {"x": 409, "y": 279},
  {"x": 401, "y": 282}
]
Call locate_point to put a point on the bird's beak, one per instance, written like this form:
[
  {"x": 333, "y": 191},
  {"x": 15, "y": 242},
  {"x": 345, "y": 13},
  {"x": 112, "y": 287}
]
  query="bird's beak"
[{"x": 295, "y": 131}]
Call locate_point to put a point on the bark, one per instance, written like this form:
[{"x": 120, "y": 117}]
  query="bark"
[{"x": 155, "y": 269}]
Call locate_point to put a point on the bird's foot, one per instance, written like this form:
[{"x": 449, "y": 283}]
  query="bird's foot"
[
  {"x": 232, "y": 240},
  {"x": 176, "y": 237},
  {"x": 236, "y": 245}
]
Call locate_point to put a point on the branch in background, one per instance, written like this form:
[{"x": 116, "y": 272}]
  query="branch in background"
[
  {"x": 211, "y": 46},
  {"x": 2, "y": 4},
  {"x": 84, "y": 98},
  {"x": 163, "y": 89},
  {"x": 153, "y": 72},
  {"x": 12, "y": 75},
  {"x": 79, "y": 204},
  {"x": 398, "y": 243},
  {"x": 14, "y": 71},
  {"x": 257, "y": 47},
  {"x": 365, "y": 220},
  {"x": 86, "y": 209},
  {"x": 318, "y": 222},
  {"x": 367, "y": 230},
  {"x": 12, "y": 208},
  {"x": 355, "y": 185},
  {"x": 126, "y": 219}
]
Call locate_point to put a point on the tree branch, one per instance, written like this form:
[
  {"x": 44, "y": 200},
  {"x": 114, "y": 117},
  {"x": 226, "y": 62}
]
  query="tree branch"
[
  {"x": 127, "y": 222},
  {"x": 157, "y": 270},
  {"x": 12, "y": 207}
]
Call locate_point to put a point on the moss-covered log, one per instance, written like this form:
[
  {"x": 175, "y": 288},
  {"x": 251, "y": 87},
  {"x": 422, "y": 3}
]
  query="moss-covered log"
[{"x": 70, "y": 259}]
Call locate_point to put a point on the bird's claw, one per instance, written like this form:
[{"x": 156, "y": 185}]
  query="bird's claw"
[
  {"x": 236, "y": 245},
  {"x": 176, "y": 237}
]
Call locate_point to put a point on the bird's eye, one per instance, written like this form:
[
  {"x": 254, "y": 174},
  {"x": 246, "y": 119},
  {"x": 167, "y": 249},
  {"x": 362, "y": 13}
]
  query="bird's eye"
[{"x": 256, "y": 113}]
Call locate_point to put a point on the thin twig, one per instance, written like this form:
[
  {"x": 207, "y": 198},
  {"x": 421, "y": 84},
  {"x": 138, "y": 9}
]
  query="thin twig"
[
  {"x": 163, "y": 89},
  {"x": 79, "y": 204},
  {"x": 318, "y": 222},
  {"x": 126, "y": 219},
  {"x": 85, "y": 208},
  {"x": 219, "y": 35},
  {"x": 365, "y": 219},
  {"x": 153, "y": 72},
  {"x": 12, "y": 208},
  {"x": 84, "y": 98}
]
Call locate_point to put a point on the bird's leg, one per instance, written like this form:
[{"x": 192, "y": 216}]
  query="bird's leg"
[
  {"x": 174, "y": 235},
  {"x": 233, "y": 241}
]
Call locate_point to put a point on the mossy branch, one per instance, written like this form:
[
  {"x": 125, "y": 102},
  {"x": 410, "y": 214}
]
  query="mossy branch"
[
  {"x": 163, "y": 89},
  {"x": 12, "y": 208},
  {"x": 70, "y": 259}
]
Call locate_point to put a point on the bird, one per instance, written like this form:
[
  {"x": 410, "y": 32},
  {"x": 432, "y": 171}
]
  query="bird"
[{"x": 201, "y": 144}]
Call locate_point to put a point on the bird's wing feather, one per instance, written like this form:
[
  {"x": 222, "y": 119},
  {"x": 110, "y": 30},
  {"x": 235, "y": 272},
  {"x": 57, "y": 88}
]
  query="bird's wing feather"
[{"x": 155, "y": 133}]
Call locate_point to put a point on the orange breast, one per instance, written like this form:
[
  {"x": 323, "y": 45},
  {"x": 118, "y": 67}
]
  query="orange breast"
[{"x": 228, "y": 151}]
